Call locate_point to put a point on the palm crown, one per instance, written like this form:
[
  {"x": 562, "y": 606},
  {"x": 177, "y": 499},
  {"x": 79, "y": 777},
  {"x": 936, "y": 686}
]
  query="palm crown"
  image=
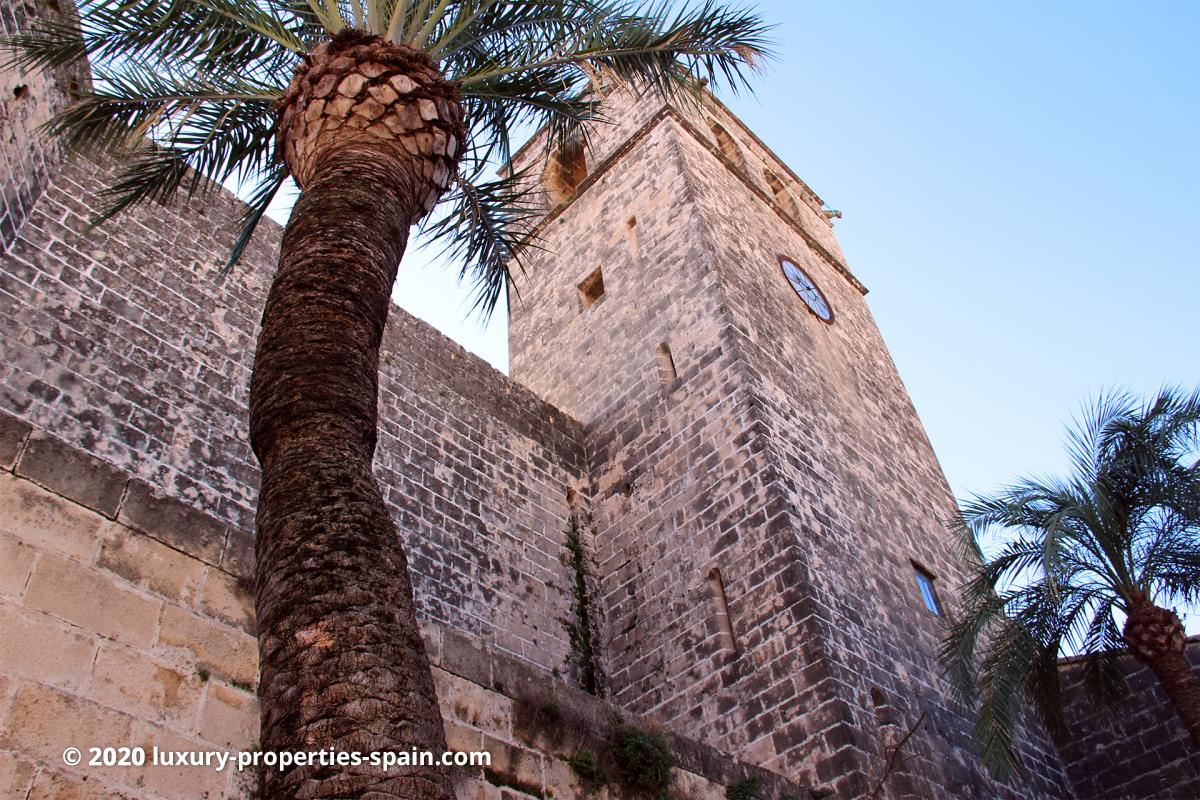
[
  {"x": 189, "y": 89},
  {"x": 1118, "y": 535}
]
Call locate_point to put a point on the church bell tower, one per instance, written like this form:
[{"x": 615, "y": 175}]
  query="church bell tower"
[{"x": 767, "y": 514}]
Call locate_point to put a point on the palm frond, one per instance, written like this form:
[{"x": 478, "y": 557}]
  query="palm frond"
[
  {"x": 486, "y": 229},
  {"x": 1072, "y": 552},
  {"x": 186, "y": 88},
  {"x": 267, "y": 186}
]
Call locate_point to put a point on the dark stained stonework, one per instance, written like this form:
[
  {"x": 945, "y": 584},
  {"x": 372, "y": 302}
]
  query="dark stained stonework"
[
  {"x": 1140, "y": 751},
  {"x": 64, "y": 470}
]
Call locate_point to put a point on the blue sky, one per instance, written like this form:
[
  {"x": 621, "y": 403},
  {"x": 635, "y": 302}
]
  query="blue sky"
[{"x": 1021, "y": 190}]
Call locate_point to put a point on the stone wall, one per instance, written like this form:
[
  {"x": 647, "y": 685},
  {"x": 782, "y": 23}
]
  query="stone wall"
[
  {"x": 27, "y": 100},
  {"x": 1140, "y": 751},
  {"x": 127, "y": 621},
  {"x": 863, "y": 494},
  {"x": 128, "y": 343}
]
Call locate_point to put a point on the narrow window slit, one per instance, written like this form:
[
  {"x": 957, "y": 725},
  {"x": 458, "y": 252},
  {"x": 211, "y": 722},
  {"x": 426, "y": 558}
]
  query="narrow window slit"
[
  {"x": 716, "y": 590},
  {"x": 666, "y": 363}
]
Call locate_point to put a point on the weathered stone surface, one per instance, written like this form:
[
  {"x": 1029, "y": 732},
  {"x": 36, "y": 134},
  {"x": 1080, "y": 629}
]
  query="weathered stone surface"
[
  {"x": 16, "y": 562},
  {"x": 176, "y": 782},
  {"x": 771, "y": 447},
  {"x": 52, "y": 785},
  {"x": 230, "y": 717},
  {"x": 171, "y": 521},
  {"x": 45, "y": 520},
  {"x": 148, "y": 563},
  {"x": 13, "y": 433},
  {"x": 215, "y": 648},
  {"x": 36, "y": 727},
  {"x": 16, "y": 776},
  {"x": 66, "y": 471},
  {"x": 127, "y": 679},
  {"x": 229, "y": 599},
  {"x": 41, "y": 648},
  {"x": 93, "y": 601}
]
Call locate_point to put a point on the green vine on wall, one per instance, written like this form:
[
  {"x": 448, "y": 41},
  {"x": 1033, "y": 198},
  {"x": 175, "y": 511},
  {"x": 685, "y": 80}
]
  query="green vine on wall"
[{"x": 581, "y": 627}]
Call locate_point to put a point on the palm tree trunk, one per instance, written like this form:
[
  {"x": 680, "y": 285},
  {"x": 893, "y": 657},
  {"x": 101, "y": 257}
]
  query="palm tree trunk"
[
  {"x": 342, "y": 662},
  {"x": 1156, "y": 638}
]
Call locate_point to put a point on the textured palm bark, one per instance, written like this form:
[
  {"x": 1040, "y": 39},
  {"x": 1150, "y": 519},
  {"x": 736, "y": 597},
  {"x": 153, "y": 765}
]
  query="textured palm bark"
[
  {"x": 1156, "y": 638},
  {"x": 342, "y": 663}
]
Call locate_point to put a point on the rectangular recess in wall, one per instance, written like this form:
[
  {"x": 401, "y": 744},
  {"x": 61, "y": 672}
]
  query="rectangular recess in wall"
[{"x": 591, "y": 289}]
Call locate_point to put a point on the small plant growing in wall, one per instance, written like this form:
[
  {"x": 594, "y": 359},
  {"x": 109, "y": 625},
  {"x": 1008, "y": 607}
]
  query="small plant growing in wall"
[
  {"x": 643, "y": 761},
  {"x": 587, "y": 767},
  {"x": 581, "y": 626},
  {"x": 743, "y": 790}
]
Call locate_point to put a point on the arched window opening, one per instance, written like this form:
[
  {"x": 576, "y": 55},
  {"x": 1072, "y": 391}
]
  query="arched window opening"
[
  {"x": 716, "y": 591},
  {"x": 565, "y": 170},
  {"x": 782, "y": 196},
  {"x": 666, "y": 363},
  {"x": 728, "y": 146}
]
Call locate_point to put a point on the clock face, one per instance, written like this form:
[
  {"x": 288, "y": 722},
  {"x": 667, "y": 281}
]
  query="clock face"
[{"x": 807, "y": 290}]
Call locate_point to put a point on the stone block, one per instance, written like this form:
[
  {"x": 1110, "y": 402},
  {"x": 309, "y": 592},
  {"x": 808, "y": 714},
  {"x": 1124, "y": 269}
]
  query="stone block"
[
  {"x": 149, "y": 563},
  {"x": 229, "y": 599},
  {"x": 560, "y": 781},
  {"x": 694, "y": 787},
  {"x": 467, "y": 658},
  {"x": 520, "y": 767},
  {"x": 13, "y": 433},
  {"x": 238, "y": 558},
  {"x": 16, "y": 562},
  {"x": 44, "y": 722},
  {"x": 473, "y": 705},
  {"x": 213, "y": 647},
  {"x": 71, "y": 473},
  {"x": 460, "y": 738},
  {"x": 131, "y": 681},
  {"x": 47, "y": 521},
  {"x": 41, "y": 648},
  {"x": 476, "y": 789},
  {"x": 174, "y": 523},
  {"x": 52, "y": 785},
  {"x": 93, "y": 600},
  {"x": 16, "y": 775},
  {"x": 176, "y": 782},
  {"x": 229, "y": 718}
]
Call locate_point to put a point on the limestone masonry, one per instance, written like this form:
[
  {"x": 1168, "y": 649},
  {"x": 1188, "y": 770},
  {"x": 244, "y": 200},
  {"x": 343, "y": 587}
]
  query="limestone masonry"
[{"x": 745, "y": 483}]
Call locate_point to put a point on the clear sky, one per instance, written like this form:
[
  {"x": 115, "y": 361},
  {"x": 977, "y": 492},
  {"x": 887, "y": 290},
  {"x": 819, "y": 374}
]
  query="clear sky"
[{"x": 1021, "y": 190}]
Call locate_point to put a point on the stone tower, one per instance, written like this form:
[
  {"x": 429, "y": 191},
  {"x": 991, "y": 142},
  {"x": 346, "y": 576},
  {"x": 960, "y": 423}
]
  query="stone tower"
[{"x": 768, "y": 515}]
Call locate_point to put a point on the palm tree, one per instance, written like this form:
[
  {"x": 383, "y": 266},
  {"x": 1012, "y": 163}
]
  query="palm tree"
[
  {"x": 1117, "y": 539},
  {"x": 380, "y": 110}
]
